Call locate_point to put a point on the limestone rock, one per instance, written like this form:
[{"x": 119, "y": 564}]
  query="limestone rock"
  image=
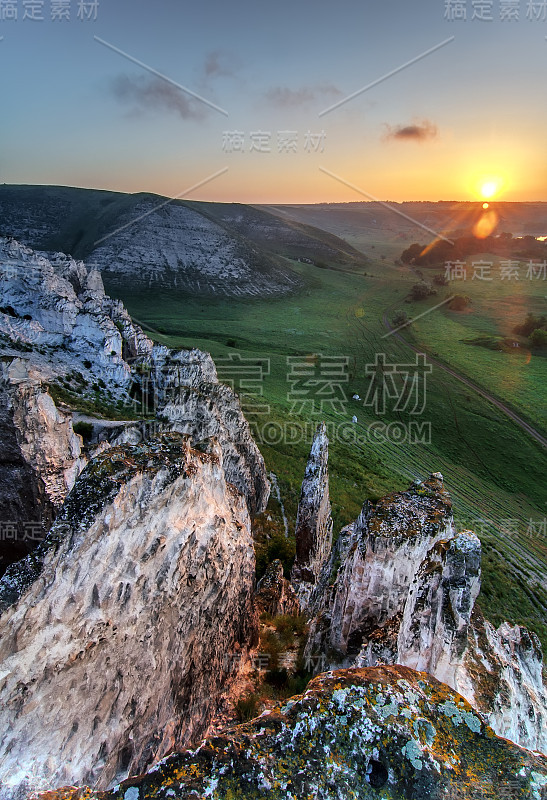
[
  {"x": 274, "y": 593},
  {"x": 404, "y": 593},
  {"x": 382, "y": 553},
  {"x": 59, "y": 311},
  {"x": 203, "y": 410},
  {"x": 313, "y": 531},
  {"x": 502, "y": 675},
  {"x": 435, "y": 625},
  {"x": 46, "y": 437},
  {"x": 116, "y": 633},
  {"x": 388, "y": 732}
]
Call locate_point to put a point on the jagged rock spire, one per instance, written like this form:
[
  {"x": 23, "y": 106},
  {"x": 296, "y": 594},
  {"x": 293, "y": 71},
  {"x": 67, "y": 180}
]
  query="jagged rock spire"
[
  {"x": 274, "y": 593},
  {"x": 313, "y": 521},
  {"x": 437, "y": 615}
]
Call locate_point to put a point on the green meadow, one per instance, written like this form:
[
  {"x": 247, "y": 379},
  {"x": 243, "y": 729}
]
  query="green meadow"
[{"x": 493, "y": 470}]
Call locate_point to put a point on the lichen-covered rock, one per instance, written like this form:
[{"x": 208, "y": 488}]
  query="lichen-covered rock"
[
  {"x": 387, "y": 732},
  {"x": 437, "y": 614},
  {"x": 274, "y": 593},
  {"x": 502, "y": 675},
  {"x": 404, "y": 593},
  {"x": 204, "y": 410},
  {"x": 382, "y": 553},
  {"x": 117, "y": 632},
  {"x": 313, "y": 531}
]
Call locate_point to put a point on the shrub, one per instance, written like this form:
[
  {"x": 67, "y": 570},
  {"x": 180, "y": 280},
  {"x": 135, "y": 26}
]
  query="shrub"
[
  {"x": 246, "y": 708},
  {"x": 84, "y": 429},
  {"x": 287, "y": 626},
  {"x": 538, "y": 338},
  {"x": 400, "y": 318},
  {"x": 530, "y": 324},
  {"x": 271, "y": 646},
  {"x": 459, "y": 302},
  {"x": 276, "y": 546},
  {"x": 421, "y": 290}
]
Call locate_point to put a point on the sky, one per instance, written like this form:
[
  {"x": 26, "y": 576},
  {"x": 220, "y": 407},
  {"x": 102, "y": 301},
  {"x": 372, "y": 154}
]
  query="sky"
[{"x": 286, "y": 102}]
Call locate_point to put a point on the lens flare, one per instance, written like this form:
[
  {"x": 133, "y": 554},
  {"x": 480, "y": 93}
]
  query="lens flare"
[{"x": 486, "y": 225}]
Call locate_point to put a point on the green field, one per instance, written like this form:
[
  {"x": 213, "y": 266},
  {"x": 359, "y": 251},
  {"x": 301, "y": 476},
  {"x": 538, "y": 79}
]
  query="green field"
[
  {"x": 518, "y": 376},
  {"x": 493, "y": 470}
]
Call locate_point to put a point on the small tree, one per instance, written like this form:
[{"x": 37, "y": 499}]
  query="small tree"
[
  {"x": 400, "y": 318},
  {"x": 538, "y": 338},
  {"x": 459, "y": 302},
  {"x": 421, "y": 290}
]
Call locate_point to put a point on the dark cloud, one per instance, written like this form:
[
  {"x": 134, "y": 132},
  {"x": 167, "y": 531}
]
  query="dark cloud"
[
  {"x": 219, "y": 64},
  {"x": 417, "y": 132},
  {"x": 149, "y": 93},
  {"x": 284, "y": 97}
]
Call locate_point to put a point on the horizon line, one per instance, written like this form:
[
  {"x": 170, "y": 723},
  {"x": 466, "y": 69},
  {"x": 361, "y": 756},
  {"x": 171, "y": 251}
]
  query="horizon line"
[{"x": 477, "y": 202}]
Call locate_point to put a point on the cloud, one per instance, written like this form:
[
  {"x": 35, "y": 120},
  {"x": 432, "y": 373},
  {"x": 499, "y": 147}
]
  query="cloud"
[
  {"x": 154, "y": 94},
  {"x": 416, "y": 132},
  {"x": 219, "y": 64},
  {"x": 283, "y": 97}
]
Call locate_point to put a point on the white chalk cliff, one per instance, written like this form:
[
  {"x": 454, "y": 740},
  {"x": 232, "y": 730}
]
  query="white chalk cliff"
[
  {"x": 116, "y": 635},
  {"x": 400, "y": 588},
  {"x": 118, "y": 632}
]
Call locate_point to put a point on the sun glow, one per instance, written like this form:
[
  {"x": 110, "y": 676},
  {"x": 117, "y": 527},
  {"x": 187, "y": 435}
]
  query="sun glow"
[
  {"x": 489, "y": 186},
  {"x": 489, "y": 189}
]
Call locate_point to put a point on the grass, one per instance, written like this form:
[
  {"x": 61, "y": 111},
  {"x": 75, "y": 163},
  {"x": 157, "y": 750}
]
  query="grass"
[
  {"x": 492, "y": 469},
  {"x": 517, "y": 376},
  {"x": 94, "y": 404}
]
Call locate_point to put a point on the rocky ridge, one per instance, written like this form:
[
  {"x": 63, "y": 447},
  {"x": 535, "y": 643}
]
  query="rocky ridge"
[
  {"x": 386, "y": 732},
  {"x": 61, "y": 334},
  {"x": 117, "y": 634},
  {"x": 400, "y": 588},
  {"x": 313, "y": 531}
]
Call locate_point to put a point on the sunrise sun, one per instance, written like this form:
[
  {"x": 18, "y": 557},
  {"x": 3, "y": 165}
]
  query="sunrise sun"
[{"x": 489, "y": 188}]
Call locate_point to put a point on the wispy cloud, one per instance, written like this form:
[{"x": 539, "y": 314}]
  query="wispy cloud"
[
  {"x": 284, "y": 97},
  {"x": 423, "y": 131},
  {"x": 219, "y": 64},
  {"x": 149, "y": 93}
]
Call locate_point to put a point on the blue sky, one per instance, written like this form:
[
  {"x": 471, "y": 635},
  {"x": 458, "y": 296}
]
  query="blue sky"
[{"x": 75, "y": 112}]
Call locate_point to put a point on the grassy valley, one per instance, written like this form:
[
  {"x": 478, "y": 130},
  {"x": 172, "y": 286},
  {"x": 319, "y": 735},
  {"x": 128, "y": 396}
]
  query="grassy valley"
[{"x": 493, "y": 469}]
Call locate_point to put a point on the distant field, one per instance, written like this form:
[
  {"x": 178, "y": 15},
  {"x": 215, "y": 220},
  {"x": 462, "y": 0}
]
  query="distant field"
[
  {"x": 493, "y": 470},
  {"x": 519, "y": 376}
]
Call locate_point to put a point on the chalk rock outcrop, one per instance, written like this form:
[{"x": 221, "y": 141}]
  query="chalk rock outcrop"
[
  {"x": 502, "y": 675},
  {"x": 274, "y": 593},
  {"x": 60, "y": 308},
  {"x": 45, "y": 432},
  {"x": 57, "y": 326},
  {"x": 116, "y": 632},
  {"x": 404, "y": 591},
  {"x": 387, "y": 732},
  {"x": 379, "y": 557},
  {"x": 204, "y": 409},
  {"x": 435, "y": 625},
  {"x": 23, "y": 501},
  {"x": 313, "y": 531}
]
